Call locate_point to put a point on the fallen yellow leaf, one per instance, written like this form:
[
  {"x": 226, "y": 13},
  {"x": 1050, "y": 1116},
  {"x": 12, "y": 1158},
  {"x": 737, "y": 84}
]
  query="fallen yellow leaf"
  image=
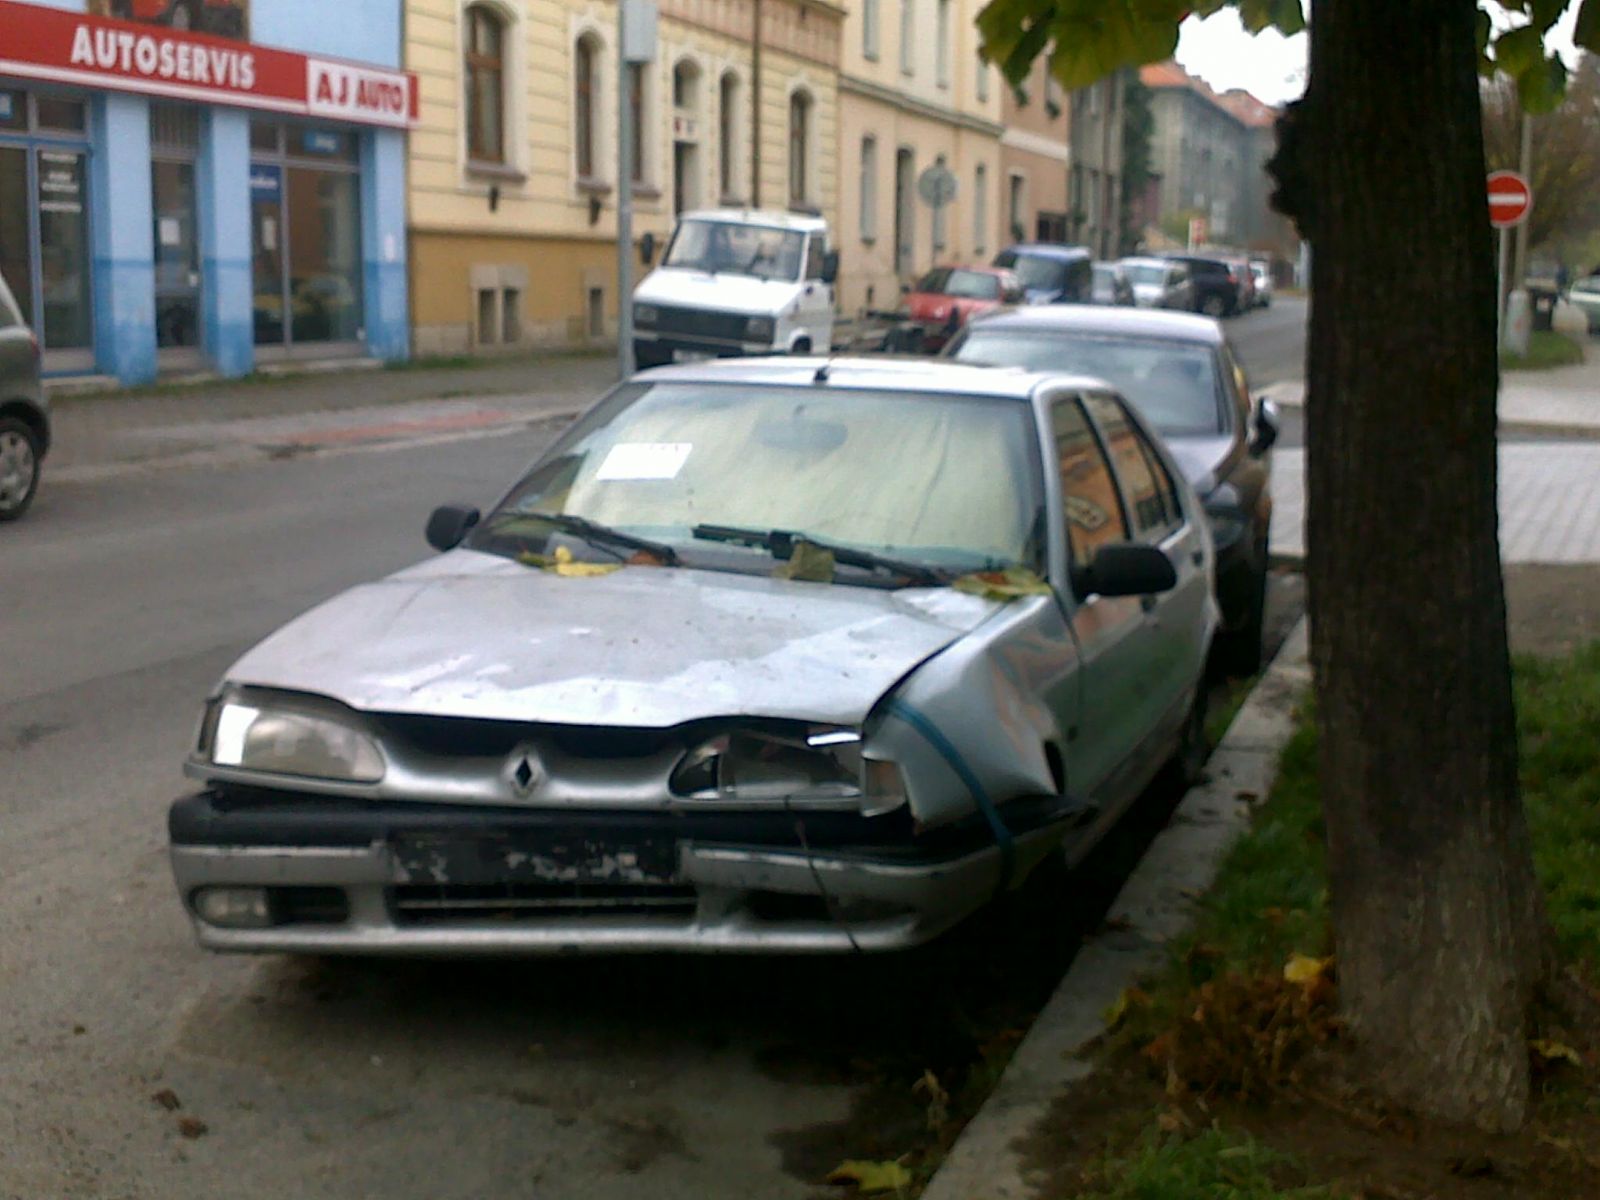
[
  {"x": 1304, "y": 970},
  {"x": 871, "y": 1177},
  {"x": 1555, "y": 1051},
  {"x": 1002, "y": 585},
  {"x": 562, "y": 563},
  {"x": 1129, "y": 999}
]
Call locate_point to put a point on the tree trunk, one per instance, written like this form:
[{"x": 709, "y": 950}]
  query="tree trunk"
[{"x": 1436, "y": 914}]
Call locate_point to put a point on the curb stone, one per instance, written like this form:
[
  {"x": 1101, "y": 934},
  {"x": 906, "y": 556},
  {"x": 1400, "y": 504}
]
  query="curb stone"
[{"x": 1156, "y": 904}]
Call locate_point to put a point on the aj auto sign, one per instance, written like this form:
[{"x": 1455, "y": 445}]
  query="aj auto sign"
[{"x": 66, "y": 47}]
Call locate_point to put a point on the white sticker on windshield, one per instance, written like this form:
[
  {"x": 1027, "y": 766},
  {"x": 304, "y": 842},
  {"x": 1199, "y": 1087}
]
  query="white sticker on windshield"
[{"x": 644, "y": 460}]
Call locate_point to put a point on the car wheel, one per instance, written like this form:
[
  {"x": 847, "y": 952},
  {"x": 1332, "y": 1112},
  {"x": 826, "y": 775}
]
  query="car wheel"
[
  {"x": 1238, "y": 651},
  {"x": 1214, "y": 306},
  {"x": 19, "y": 467},
  {"x": 803, "y": 346}
]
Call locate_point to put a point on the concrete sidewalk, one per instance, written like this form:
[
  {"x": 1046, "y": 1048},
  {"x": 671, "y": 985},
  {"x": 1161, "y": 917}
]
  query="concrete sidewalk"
[{"x": 114, "y": 433}]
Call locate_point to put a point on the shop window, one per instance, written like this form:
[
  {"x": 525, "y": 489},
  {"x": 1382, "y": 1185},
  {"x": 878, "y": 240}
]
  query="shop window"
[
  {"x": 54, "y": 113},
  {"x": 13, "y": 109},
  {"x": 510, "y": 315},
  {"x": 799, "y": 147},
  {"x": 485, "y": 80},
  {"x": 264, "y": 136},
  {"x": 175, "y": 127},
  {"x": 584, "y": 103},
  {"x": 597, "y": 312},
  {"x": 486, "y": 316}
]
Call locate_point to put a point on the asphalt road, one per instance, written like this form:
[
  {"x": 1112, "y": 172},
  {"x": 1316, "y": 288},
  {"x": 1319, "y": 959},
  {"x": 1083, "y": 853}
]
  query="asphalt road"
[{"x": 121, "y": 603}]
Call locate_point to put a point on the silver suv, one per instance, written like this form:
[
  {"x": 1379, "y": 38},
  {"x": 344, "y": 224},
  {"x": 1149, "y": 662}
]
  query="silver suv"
[{"x": 24, "y": 415}]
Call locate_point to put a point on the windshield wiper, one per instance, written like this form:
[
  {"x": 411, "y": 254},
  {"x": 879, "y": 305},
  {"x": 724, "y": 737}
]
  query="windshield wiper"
[
  {"x": 600, "y": 535},
  {"x": 780, "y": 543}
]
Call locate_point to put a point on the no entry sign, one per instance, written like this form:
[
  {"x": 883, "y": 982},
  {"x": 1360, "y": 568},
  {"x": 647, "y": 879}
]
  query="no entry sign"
[{"x": 1510, "y": 199}]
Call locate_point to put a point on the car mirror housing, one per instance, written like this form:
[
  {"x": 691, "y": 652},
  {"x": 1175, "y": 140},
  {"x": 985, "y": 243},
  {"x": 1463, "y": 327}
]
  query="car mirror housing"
[
  {"x": 1266, "y": 431},
  {"x": 449, "y": 524},
  {"x": 830, "y": 266},
  {"x": 1129, "y": 569}
]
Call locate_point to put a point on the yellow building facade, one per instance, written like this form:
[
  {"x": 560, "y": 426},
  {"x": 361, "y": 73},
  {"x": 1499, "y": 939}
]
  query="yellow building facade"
[
  {"x": 513, "y": 166},
  {"x": 913, "y": 93}
]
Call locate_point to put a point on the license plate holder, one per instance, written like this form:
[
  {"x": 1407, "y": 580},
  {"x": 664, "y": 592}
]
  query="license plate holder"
[{"x": 498, "y": 857}]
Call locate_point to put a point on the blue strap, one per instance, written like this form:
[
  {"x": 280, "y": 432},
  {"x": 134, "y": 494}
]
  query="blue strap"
[{"x": 947, "y": 751}]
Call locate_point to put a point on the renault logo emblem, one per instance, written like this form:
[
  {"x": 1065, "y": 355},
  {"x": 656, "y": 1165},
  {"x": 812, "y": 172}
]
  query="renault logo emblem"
[{"x": 525, "y": 770}]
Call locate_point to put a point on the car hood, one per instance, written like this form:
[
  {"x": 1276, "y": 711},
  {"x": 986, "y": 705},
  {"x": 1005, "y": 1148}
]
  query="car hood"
[
  {"x": 1042, "y": 295},
  {"x": 932, "y": 306},
  {"x": 1201, "y": 458},
  {"x": 722, "y": 292},
  {"x": 475, "y": 635}
]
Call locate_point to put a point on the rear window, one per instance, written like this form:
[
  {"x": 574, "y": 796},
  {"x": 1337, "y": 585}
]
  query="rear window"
[{"x": 1173, "y": 384}]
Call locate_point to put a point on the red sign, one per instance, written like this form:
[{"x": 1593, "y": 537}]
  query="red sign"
[
  {"x": 65, "y": 47},
  {"x": 1510, "y": 199}
]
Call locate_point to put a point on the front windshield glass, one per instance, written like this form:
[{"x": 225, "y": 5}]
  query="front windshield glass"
[
  {"x": 1146, "y": 273},
  {"x": 972, "y": 285},
  {"x": 949, "y": 482},
  {"x": 1174, "y": 384},
  {"x": 734, "y": 248},
  {"x": 1041, "y": 274}
]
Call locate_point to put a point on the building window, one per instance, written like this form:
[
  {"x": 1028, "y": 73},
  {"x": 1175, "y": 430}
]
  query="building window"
[
  {"x": 940, "y": 212},
  {"x": 636, "y": 103},
  {"x": 486, "y": 317},
  {"x": 584, "y": 96},
  {"x": 869, "y": 29},
  {"x": 941, "y": 72},
  {"x": 799, "y": 147},
  {"x": 511, "y": 315},
  {"x": 869, "y": 189},
  {"x": 1015, "y": 206},
  {"x": 980, "y": 209},
  {"x": 597, "y": 312},
  {"x": 485, "y": 77},
  {"x": 907, "y": 50},
  {"x": 686, "y": 85},
  {"x": 727, "y": 132},
  {"x": 983, "y": 81}
]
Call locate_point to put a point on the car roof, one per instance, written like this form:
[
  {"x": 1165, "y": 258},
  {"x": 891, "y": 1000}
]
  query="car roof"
[
  {"x": 802, "y": 222},
  {"x": 1049, "y": 250},
  {"x": 1144, "y": 260},
  {"x": 1106, "y": 321},
  {"x": 884, "y": 373}
]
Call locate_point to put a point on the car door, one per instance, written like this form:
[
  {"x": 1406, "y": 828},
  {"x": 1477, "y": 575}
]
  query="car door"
[
  {"x": 1106, "y": 727},
  {"x": 815, "y": 315},
  {"x": 1175, "y": 626}
]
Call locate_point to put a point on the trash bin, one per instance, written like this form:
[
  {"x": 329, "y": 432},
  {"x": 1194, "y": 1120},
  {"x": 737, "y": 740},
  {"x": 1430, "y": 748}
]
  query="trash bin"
[{"x": 1544, "y": 307}]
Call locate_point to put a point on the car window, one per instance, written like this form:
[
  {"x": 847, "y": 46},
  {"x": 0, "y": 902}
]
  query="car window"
[
  {"x": 1173, "y": 384},
  {"x": 1038, "y": 272},
  {"x": 735, "y": 248},
  {"x": 946, "y": 480},
  {"x": 972, "y": 285},
  {"x": 1145, "y": 272},
  {"x": 1151, "y": 497},
  {"x": 1090, "y": 503},
  {"x": 933, "y": 282},
  {"x": 815, "y": 252}
]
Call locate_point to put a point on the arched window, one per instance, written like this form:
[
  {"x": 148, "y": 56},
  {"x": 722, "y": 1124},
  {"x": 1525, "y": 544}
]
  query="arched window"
[
  {"x": 636, "y": 101},
  {"x": 484, "y": 71},
  {"x": 686, "y": 85},
  {"x": 799, "y": 147},
  {"x": 585, "y": 102},
  {"x": 727, "y": 132}
]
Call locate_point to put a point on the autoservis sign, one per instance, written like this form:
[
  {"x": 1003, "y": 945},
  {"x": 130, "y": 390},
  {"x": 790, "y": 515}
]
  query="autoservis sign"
[{"x": 78, "y": 48}]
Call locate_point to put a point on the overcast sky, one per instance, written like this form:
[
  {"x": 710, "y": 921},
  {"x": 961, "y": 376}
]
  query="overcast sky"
[{"x": 1272, "y": 66}]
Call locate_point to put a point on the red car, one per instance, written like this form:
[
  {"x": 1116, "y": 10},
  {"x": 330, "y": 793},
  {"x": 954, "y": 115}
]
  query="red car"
[{"x": 944, "y": 300}]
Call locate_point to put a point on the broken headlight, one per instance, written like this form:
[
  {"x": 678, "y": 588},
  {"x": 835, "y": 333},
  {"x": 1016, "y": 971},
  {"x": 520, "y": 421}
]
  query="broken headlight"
[
  {"x": 820, "y": 763},
  {"x": 284, "y": 740}
]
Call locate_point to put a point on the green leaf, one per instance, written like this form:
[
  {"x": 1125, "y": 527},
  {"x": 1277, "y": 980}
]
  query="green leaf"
[
  {"x": 1587, "y": 31},
  {"x": 1541, "y": 86},
  {"x": 1518, "y": 50},
  {"x": 1286, "y": 16},
  {"x": 1546, "y": 13}
]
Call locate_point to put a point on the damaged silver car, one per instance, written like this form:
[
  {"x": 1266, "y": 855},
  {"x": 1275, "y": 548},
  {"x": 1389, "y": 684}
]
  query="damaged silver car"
[{"x": 762, "y": 655}]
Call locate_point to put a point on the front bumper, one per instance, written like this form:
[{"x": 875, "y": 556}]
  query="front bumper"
[
  {"x": 445, "y": 880},
  {"x": 657, "y": 349}
]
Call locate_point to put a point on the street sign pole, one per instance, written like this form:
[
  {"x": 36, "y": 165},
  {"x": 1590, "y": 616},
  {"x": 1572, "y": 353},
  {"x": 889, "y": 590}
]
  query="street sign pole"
[
  {"x": 1510, "y": 201},
  {"x": 636, "y": 37},
  {"x": 1500, "y": 286}
]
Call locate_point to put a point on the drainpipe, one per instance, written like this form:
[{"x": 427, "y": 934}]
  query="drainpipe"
[{"x": 755, "y": 104}]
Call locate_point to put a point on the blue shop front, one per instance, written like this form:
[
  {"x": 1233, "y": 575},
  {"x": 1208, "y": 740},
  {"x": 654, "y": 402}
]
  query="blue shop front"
[{"x": 191, "y": 185}]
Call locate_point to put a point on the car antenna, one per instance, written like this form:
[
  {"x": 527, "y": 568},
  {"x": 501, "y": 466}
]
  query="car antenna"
[{"x": 822, "y": 372}]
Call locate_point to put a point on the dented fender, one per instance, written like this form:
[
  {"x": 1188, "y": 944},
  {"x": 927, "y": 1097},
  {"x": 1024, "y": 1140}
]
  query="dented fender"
[{"x": 1001, "y": 695}]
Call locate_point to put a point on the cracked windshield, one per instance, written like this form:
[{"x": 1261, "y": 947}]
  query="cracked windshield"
[{"x": 677, "y": 600}]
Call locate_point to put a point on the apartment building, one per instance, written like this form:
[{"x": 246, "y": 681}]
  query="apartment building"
[
  {"x": 1034, "y": 161},
  {"x": 914, "y": 95},
  {"x": 514, "y": 160},
  {"x": 1094, "y": 166}
]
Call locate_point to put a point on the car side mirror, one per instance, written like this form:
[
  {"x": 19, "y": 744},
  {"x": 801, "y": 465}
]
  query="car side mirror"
[
  {"x": 830, "y": 266},
  {"x": 1266, "y": 432},
  {"x": 449, "y": 524},
  {"x": 1128, "y": 569},
  {"x": 647, "y": 248}
]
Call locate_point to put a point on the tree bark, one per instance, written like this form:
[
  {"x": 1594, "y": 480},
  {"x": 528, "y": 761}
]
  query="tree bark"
[{"x": 1436, "y": 913}]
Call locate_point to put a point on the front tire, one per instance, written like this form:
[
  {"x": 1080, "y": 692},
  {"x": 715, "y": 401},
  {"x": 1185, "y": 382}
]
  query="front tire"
[
  {"x": 1238, "y": 651},
  {"x": 1187, "y": 764},
  {"x": 19, "y": 467}
]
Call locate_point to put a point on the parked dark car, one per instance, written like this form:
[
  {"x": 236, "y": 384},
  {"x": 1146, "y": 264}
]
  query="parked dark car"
[
  {"x": 1050, "y": 273},
  {"x": 1218, "y": 290},
  {"x": 1111, "y": 285},
  {"x": 24, "y": 415},
  {"x": 1180, "y": 373}
]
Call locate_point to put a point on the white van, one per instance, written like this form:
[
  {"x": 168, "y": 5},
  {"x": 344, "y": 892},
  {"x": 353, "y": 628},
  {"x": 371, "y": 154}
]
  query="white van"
[{"x": 737, "y": 281}]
